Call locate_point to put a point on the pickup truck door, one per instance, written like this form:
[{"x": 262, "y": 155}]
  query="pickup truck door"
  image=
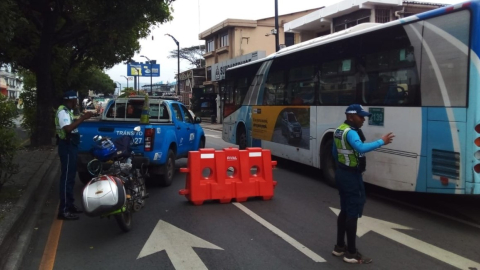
[
  {"x": 185, "y": 129},
  {"x": 192, "y": 128}
]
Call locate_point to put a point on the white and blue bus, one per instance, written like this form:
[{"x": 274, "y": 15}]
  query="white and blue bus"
[{"x": 418, "y": 76}]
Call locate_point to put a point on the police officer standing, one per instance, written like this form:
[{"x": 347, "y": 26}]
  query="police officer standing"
[
  {"x": 69, "y": 138},
  {"x": 349, "y": 149}
]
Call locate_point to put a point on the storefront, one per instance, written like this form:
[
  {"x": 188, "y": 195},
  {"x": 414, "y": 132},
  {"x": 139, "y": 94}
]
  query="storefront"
[
  {"x": 216, "y": 78},
  {"x": 191, "y": 81}
]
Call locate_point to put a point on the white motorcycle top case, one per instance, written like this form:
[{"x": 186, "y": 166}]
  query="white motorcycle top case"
[{"x": 102, "y": 195}]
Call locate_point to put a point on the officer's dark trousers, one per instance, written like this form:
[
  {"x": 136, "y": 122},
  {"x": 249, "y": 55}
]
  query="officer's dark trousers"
[
  {"x": 352, "y": 198},
  {"x": 68, "y": 158}
]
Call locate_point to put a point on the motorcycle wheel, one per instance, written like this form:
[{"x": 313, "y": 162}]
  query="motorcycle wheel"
[{"x": 124, "y": 220}]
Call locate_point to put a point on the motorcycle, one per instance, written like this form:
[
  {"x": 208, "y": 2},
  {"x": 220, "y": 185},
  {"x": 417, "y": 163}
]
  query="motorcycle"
[{"x": 118, "y": 185}]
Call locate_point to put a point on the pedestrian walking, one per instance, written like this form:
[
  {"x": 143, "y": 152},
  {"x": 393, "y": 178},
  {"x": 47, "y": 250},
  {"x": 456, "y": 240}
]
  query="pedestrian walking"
[
  {"x": 68, "y": 140},
  {"x": 349, "y": 150}
]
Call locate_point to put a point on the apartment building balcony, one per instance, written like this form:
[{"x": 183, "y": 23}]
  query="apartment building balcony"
[
  {"x": 209, "y": 54},
  {"x": 222, "y": 50}
]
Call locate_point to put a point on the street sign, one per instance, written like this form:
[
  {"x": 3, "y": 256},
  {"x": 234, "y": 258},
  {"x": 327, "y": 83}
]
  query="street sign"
[
  {"x": 377, "y": 117},
  {"x": 143, "y": 69}
]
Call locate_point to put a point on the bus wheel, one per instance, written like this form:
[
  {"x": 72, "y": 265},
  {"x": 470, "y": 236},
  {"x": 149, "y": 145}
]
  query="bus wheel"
[
  {"x": 242, "y": 138},
  {"x": 328, "y": 164}
]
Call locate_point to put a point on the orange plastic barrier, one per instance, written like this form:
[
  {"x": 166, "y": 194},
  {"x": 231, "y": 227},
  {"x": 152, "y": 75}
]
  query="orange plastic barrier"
[
  {"x": 228, "y": 174},
  {"x": 203, "y": 182}
]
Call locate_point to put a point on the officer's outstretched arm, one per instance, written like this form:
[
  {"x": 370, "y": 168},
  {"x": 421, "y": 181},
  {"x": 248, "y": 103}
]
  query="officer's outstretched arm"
[{"x": 361, "y": 147}]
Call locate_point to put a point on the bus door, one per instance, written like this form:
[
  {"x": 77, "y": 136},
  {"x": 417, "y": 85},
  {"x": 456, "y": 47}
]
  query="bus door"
[
  {"x": 445, "y": 148},
  {"x": 444, "y": 84}
]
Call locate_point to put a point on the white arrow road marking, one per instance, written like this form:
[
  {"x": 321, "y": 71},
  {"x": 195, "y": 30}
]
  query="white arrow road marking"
[
  {"x": 366, "y": 224},
  {"x": 309, "y": 253},
  {"x": 178, "y": 244},
  {"x": 213, "y": 136}
]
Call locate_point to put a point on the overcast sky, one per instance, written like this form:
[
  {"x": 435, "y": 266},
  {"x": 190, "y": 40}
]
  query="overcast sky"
[{"x": 191, "y": 17}]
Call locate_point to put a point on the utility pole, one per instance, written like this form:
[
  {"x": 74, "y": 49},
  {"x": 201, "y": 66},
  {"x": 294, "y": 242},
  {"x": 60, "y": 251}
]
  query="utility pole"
[
  {"x": 277, "y": 42},
  {"x": 151, "y": 86},
  {"x": 127, "y": 81},
  {"x": 178, "y": 63}
]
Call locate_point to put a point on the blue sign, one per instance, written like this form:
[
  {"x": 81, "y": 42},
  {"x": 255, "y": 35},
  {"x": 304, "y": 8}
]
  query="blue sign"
[{"x": 143, "y": 69}]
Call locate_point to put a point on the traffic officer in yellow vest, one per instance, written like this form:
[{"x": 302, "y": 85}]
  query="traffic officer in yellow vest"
[
  {"x": 69, "y": 138},
  {"x": 349, "y": 149}
]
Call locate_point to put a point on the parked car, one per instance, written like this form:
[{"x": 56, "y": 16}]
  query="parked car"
[{"x": 291, "y": 128}]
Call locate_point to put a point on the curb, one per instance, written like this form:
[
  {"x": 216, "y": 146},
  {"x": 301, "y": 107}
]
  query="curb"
[{"x": 13, "y": 241}]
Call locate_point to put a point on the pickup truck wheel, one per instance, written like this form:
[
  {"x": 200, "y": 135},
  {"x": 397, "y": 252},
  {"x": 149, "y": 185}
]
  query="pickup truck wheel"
[
  {"x": 85, "y": 177},
  {"x": 169, "y": 170}
]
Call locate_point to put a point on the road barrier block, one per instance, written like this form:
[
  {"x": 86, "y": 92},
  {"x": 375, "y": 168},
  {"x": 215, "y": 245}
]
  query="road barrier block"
[
  {"x": 203, "y": 181},
  {"x": 228, "y": 173},
  {"x": 259, "y": 183},
  {"x": 232, "y": 170}
]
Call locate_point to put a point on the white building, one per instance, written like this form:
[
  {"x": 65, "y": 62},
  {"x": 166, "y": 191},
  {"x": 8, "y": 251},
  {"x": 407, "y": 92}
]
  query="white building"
[
  {"x": 348, "y": 13},
  {"x": 10, "y": 84}
]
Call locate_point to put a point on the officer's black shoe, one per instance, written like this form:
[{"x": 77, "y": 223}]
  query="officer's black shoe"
[
  {"x": 68, "y": 216},
  {"x": 75, "y": 210}
]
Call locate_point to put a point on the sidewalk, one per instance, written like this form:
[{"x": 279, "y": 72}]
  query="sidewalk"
[
  {"x": 208, "y": 125},
  {"x": 21, "y": 199}
]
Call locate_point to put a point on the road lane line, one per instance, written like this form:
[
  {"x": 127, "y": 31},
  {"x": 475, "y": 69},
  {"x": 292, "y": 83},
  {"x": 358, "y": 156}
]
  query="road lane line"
[
  {"x": 213, "y": 136},
  {"x": 50, "y": 251},
  {"x": 309, "y": 253}
]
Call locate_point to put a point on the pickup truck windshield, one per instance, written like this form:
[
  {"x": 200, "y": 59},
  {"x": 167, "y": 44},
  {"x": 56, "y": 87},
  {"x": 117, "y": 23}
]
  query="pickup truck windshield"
[{"x": 133, "y": 110}]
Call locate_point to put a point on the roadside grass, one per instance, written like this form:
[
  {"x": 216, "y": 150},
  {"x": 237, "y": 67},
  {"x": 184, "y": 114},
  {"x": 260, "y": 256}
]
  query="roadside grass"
[{"x": 9, "y": 196}]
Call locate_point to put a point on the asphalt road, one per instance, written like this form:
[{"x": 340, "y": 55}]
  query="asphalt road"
[{"x": 294, "y": 230}]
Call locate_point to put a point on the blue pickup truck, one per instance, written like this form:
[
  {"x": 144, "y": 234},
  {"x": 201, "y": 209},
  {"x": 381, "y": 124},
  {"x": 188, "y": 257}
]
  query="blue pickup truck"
[{"x": 171, "y": 134}]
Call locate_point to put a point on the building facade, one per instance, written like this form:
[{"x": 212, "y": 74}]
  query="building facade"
[
  {"x": 234, "y": 42},
  {"x": 191, "y": 89},
  {"x": 348, "y": 13}
]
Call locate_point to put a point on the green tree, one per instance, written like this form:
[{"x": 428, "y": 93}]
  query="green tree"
[
  {"x": 52, "y": 37},
  {"x": 193, "y": 54},
  {"x": 8, "y": 140},
  {"x": 29, "y": 101},
  {"x": 92, "y": 78}
]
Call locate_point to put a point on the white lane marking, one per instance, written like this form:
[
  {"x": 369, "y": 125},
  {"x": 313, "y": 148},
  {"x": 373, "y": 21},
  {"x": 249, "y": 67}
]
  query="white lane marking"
[
  {"x": 178, "y": 244},
  {"x": 309, "y": 253},
  {"x": 387, "y": 229},
  {"x": 213, "y": 136}
]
